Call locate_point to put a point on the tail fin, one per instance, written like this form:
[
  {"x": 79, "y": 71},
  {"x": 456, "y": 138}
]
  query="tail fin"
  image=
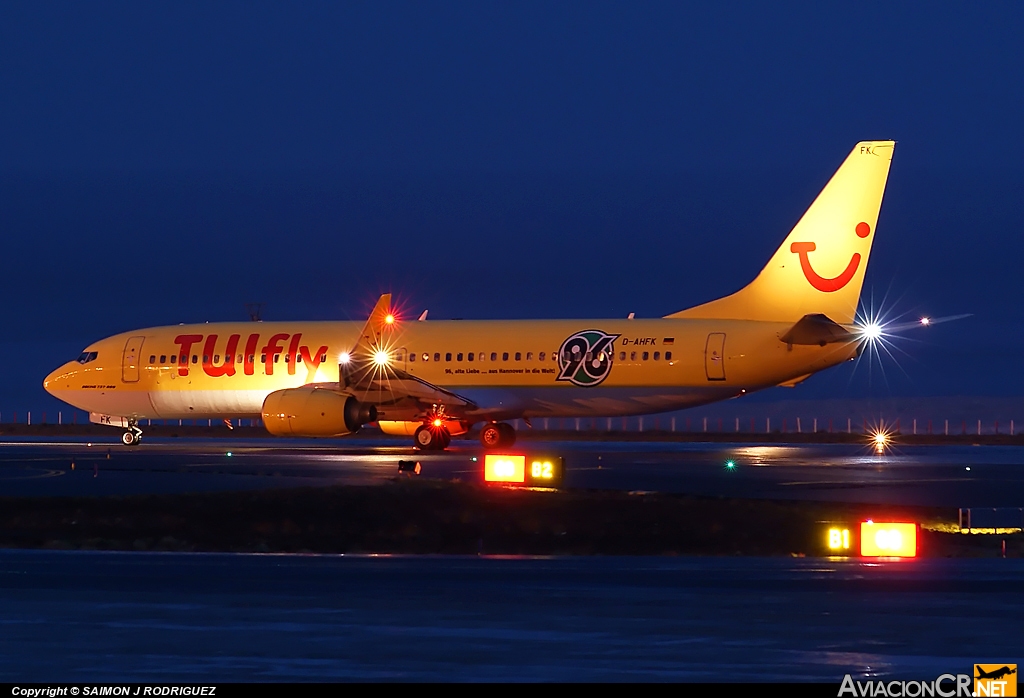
[{"x": 820, "y": 266}]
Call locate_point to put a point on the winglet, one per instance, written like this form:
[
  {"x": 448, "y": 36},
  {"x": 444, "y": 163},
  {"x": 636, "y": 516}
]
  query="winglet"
[
  {"x": 376, "y": 381},
  {"x": 423, "y": 316},
  {"x": 360, "y": 357},
  {"x": 380, "y": 318}
]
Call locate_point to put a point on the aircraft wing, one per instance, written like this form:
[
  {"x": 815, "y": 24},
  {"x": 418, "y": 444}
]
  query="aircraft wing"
[{"x": 368, "y": 371}]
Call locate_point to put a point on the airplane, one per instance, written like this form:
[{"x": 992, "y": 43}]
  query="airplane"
[
  {"x": 995, "y": 673},
  {"x": 434, "y": 380}
]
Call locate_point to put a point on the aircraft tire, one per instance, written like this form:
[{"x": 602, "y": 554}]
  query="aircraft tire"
[
  {"x": 491, "y": 435},
  {"x": 128, "y": 438},
  {"x": 508, "y": 435},
  {"x": 444, "y": 440},
  {"x": 424, "y": 439}
]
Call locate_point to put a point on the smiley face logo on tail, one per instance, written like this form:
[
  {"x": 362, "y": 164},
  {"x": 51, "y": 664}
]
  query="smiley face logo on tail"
[{"x": 822, "y": 283}]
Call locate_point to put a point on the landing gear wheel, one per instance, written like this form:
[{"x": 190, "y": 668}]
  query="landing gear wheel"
[
  {"x": 424, "y": 439},
  {"x": 490, "y": 435},
  {"x": 134, "y": 435},
  {"x": 432, "y": 438},
  {"x": 497, "y": 435},
  {"x": 508, "y": 435}
]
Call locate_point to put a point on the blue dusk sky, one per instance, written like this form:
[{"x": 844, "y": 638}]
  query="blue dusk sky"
[{"x": 171, "y": 162}]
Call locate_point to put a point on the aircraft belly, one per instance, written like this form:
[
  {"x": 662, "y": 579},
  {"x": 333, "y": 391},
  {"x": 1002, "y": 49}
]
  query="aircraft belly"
[
  {"x": 175, "y": 404},
  {"x": 122, "y": 403},
  {"x": 559, "y": 401}
]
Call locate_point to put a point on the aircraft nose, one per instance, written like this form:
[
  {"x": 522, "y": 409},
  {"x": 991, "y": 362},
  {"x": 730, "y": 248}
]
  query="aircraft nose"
[
  {"x": 49, "y": 381},
  {"x": 57, "y": 382}
]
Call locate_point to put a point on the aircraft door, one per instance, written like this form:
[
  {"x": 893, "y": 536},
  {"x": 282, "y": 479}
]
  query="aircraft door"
[
  {"x": 131, "y": 359},
  {"x": 714, "y": 356},
  {"x": 400, "y": 358}
]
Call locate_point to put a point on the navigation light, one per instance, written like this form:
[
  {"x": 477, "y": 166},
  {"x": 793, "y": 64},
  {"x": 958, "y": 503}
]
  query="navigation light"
[{"x": 871, "y": 331}]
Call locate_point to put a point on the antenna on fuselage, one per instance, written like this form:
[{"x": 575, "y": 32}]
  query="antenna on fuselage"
[{"x": 255, "y": 311}]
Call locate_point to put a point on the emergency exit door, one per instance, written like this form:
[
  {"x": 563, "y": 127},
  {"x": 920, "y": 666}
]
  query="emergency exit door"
[
  {"x": 131, "y": 359},
  {"x": 714, "y": 356}
]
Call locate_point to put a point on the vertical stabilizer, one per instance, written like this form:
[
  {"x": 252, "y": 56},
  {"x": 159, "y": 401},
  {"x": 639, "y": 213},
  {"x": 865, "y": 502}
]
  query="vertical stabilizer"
[{"x": 820, "y": 266}]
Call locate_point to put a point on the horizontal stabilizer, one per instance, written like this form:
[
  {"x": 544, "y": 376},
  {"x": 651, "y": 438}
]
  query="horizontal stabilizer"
[
  {"x": 793, "y": 382},
  {"x": 817, "y": 329}
]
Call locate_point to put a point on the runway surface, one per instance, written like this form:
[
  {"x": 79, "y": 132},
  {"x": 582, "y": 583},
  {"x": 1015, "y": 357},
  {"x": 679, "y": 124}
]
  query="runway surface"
[
  {"x": 947, "y": 476},
  {"x": 152, "y": 617},
  {"x": 168, "y": 617}
]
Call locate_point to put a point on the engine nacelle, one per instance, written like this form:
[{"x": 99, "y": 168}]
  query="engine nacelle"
[{"x": 314, "y": 412}]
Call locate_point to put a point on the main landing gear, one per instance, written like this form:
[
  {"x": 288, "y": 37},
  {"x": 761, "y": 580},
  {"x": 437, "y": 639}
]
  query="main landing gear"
[
  {"x": 436, "y": 437},
  {"x": 435, "y": 434},
  {"x": 431, "y": 437},
  {"x": 134, "y": 435},
  {"x": 497, "y": 435}
]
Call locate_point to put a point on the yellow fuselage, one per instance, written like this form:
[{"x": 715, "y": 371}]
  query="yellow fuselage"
[{"x": 510, "y": 369}]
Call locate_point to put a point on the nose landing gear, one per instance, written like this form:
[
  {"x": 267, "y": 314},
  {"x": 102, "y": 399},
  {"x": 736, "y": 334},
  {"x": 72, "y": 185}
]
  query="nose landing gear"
[{"x": 134, "y": 435}]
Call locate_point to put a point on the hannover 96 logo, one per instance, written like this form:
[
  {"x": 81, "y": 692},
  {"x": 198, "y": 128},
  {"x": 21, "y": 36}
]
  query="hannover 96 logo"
[{"x": 585, "y": 358}]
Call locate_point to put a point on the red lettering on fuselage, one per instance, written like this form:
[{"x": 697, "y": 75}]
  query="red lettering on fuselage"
[
  {"x": 293, "y": 348},
  {"x": 270, "y": 350},
  {"x": 296, "y": 353},
  {"x": 185, "y": 341},
  {"x": 249, "y": 360},
  {"x": 313, "y": 361},
  {"x": 228, "y": 367}
]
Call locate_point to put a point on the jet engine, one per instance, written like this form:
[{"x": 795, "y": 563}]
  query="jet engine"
[{"x": 310, "y": 411}]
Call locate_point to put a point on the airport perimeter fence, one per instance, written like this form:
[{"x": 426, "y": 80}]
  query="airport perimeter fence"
[
  {"x": 650, "y": 423},
  {"x": 75, "y": 417},
  {"x": 771, "y": 425}
]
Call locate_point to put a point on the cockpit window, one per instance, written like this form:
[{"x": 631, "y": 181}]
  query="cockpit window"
[{"x": 87, "y": 356}]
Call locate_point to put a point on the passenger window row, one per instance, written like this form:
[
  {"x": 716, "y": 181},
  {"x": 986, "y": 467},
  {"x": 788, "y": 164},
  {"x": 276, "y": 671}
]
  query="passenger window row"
[
  {"x": 542, "y": 356},
  {"x": 644, "y": 356},
  {"x": 174, "y": 359},
  {"x": 572, "y": 355},
  {"x": 479, "y": 356}
]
